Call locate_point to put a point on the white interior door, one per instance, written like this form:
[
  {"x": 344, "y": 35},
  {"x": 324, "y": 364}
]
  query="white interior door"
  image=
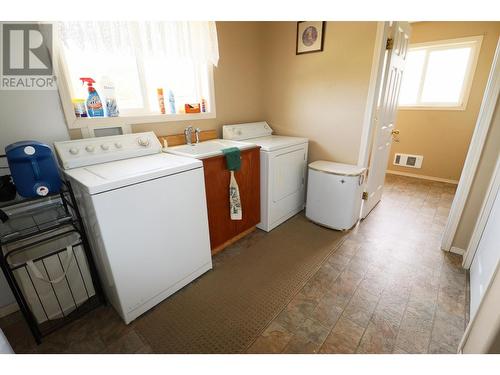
[
  {"x": 487, "y": 256},
  {"x": 386, "y": 113}
]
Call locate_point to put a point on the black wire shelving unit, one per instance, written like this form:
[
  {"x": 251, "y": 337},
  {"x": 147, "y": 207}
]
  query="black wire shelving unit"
[{"x": 34, "y": 225}]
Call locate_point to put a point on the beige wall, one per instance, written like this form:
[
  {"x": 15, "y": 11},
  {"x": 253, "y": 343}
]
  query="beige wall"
[
  {"x": 238, "y": 81},
  {"x": 443, "y": 137},
  {"x": 480, "y": 184},
  {"x": 321, "y": 96}
]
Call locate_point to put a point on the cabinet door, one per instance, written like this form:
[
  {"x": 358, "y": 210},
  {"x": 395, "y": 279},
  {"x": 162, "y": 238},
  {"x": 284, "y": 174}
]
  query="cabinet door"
[
  {"x": 222, "y": 228},
  {"x": 217, "y": 187},
  {"x": 248, "y": 179}
]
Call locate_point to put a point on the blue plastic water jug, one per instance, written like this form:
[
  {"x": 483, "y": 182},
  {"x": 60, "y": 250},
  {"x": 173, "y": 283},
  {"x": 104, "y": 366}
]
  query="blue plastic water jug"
[{"x": 33, "y": 168}]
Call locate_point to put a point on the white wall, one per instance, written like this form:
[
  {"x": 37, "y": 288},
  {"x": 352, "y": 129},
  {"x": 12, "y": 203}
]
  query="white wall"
[
  {"x": 28, "y": 115},
  {"x": 33, "y": 115}
]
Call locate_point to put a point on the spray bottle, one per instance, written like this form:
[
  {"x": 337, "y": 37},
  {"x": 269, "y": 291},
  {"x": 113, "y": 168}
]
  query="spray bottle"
[
  {"x": 94, "y": 103},
  {"x": 171, "y": 101}
]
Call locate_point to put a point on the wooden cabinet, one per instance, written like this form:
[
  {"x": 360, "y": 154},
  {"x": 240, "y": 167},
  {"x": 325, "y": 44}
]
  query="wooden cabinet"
[{"x": 223, "y": 230}]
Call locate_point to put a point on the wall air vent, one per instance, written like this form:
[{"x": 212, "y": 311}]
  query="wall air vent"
[{"x": 406, "y": 160}]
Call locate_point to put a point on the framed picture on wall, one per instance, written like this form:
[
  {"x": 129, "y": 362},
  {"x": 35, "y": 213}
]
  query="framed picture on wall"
[{"x": 310, "y": 36}]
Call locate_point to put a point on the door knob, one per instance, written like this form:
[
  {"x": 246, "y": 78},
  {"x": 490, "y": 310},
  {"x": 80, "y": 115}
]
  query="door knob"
[{"x": 395, "y": 132}]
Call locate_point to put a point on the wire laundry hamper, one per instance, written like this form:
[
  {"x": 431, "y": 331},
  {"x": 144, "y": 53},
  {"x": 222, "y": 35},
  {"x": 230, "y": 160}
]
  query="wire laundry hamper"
[
  {"x": 53, "y": 273},
  {"x": 46, "y": 259}
]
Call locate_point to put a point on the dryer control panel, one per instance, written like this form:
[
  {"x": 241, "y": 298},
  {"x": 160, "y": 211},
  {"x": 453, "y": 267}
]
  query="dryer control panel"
[{"x": 240, "y": 132}]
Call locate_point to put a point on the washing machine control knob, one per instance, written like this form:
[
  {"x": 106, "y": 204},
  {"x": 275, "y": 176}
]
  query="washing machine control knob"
[{"x": 143, "y": 141}]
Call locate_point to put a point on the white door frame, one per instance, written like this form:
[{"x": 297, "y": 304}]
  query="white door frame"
[
  {"x": 484, "y": 214},
  {"x": 376, "y": 77},
  {"x": 483, "y": 326},
  {"x": 474, "y": 154}
]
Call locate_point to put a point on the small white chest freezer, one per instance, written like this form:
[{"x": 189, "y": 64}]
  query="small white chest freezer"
[{"x": 334, "y": 194}]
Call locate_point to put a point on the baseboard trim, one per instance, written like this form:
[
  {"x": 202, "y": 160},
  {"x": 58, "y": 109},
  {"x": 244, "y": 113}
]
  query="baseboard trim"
[
  {"x": 457, "y": 250},
  {"x": 9, "y": 309},
  {"x": 232, "y": 240},
  {"x": 423, "y": 177}
]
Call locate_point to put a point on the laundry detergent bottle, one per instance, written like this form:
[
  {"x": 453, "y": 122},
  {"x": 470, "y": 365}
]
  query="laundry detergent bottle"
[
  {"x": 94, "y": 103},
  {"x": 108, "y": 89}
]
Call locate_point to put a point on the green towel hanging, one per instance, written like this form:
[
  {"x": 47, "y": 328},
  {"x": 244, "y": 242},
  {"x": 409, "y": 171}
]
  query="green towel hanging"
[{"x": 233, "y": 158}]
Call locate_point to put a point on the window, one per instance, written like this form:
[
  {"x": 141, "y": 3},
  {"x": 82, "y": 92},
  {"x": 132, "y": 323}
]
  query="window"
[
  {"x": 139, "y": 58},
  {"x": 438, "y": 75}
]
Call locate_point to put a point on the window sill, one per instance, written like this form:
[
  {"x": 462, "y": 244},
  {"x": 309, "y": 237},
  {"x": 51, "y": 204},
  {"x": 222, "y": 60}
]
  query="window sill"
[
  {"x": 83, "y": 122},
  {"x": 431, "y": 108}
]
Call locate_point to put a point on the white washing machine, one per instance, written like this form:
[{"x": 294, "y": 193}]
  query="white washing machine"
[
  {"x": 145, "y": 214},
  {"x": 283, "y": 168}
]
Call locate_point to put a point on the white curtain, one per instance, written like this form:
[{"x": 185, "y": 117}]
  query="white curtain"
[{"x": 196, "y": 41}]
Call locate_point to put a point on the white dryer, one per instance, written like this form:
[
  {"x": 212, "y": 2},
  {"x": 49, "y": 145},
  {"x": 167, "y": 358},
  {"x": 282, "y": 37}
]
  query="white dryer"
[{"x": 283, "y": 168}]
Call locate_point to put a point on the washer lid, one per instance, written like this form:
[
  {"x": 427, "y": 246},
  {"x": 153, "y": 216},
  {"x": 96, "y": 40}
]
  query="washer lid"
[
  {"x": 277, "y": 142},
  {"x": 116, "y": 174},
  {"x": 337, "y": 168}
]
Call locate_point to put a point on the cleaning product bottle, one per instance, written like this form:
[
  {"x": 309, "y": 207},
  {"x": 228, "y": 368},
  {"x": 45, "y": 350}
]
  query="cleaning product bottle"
[
  {"x": 108, "y": 89},
  {"x": 79, "y": 107},
  {"x": 94, "y": 104},
  {"x": 161, "y": 100},
  {"x": 171, "y": 101}
]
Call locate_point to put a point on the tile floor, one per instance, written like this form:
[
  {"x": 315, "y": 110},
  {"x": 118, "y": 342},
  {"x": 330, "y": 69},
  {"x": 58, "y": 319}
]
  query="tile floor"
[{"x": 387, "y": 289}]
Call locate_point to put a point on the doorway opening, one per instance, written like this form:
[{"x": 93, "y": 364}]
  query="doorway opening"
[{"x": 426, "y": 138}]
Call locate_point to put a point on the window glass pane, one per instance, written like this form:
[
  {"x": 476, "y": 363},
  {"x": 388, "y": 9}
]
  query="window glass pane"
[
  {"x": 122, "y": 70},
  {"x": 445, "y": 75},
  {"x": 411, "y": 77},
  {"x": 188, "y": 81},
  {"x": 185, "y": 78}
]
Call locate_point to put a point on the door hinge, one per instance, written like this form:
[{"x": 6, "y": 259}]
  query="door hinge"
[
  {"x": 389, "y": 44},
  {"x": 365, "y": 195}
]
